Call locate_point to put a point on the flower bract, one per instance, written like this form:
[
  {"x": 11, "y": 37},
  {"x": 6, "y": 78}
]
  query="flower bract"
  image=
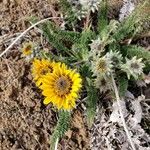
[
  {"x": 102, "y": 66},
  {"x": 133, "y": 67}
]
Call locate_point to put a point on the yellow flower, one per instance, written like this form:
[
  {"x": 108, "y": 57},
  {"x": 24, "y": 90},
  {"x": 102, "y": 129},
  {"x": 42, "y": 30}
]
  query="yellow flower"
[
  {"x": 27, "y": 49},
  {"x": 61, "y": 87},
  {"x": 40, "y": 68}
]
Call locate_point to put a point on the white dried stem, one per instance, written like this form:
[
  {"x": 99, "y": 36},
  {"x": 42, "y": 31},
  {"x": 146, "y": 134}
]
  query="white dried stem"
[
  {"x": 121, "y": 114},
  {"x": 56, "y": 144},
  {"x": 23, "y": 33}
]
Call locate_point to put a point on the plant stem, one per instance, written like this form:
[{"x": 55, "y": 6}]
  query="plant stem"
[
  {"x": 56, "y": 144},
  {"x": 86, "y": 25}
]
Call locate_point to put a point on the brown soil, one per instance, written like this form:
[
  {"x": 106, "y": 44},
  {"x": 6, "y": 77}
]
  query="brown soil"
[{"x": 25, "y": 123}]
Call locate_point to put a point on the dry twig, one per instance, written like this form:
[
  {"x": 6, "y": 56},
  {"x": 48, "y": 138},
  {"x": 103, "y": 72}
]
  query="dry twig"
[
  {"x": 23, "y": 33},
  {"x": 121, "y": 114}
]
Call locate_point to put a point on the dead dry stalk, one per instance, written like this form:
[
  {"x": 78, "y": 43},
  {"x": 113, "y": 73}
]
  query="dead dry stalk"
[
  {"x": 121, "y": 114},
  {"x": 23, "y": 33},
  {"x": 56, "y": 144}
]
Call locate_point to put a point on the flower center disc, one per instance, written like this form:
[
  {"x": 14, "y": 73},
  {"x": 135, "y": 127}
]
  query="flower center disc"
[
  {"x": 28, "y": 48},
  {"x": 63, "y": 85},
  {"x": 102, "y": 66},
  {"x": 135, "y": 66},
  {"x": 49, "y": 69}
]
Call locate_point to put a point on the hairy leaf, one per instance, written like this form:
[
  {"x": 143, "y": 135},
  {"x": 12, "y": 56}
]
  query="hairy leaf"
[
  {"x": 61, "y": 127},
  {"x": 92, "y": 99}
]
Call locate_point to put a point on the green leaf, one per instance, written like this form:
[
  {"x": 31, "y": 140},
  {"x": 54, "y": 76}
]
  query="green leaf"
[
  {"x": 102, "y": 17},
  {"x": 92, "y": 99},
  {"x": 64, "y": 35},
  {"x": 140, "y": 52},
  {"x": 61, "y": 127},
  {"x": 52, "y": 38},
  {"x": 130, "y": 26},
  {"x": 68, "y": 36},
  {"x": 123, "y": 85},
  {"x": 66, "y": 9},
  {"x": 85, "y": 71},
  {"x": 86, "y": 36},
  {"x": 81, "y": 48},
  {"x": 65, "y": 6}
]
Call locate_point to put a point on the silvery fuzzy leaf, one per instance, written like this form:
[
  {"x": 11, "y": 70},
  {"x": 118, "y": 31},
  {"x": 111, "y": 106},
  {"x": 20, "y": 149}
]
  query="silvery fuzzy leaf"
[
  {"x": 115, "y": 116},
  {"x": 141, "y": 83},
  {"x": 138, "y": 112},
  {"x": 147, "y": 78},
  {"x": 129, "y": 95},
  {"x": 126, "y": 10}
]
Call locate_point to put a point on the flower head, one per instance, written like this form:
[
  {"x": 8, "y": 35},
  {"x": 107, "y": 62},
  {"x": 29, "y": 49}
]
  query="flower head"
[
  {"x": 115, "y": 57},
  {"x": 40, "y": 68},
  {"x": 133, "y": 67},
  {"x": 90, "y": 4},
  {"x": 102, "y": 66},
  {"x": 27, "y": 48},
  {"x": 103, "y": 84},
  {"x": 61, "y": 87}
]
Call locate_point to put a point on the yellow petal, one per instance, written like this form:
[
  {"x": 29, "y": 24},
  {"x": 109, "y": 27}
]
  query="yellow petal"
[{"x": 46, "y": 100}]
